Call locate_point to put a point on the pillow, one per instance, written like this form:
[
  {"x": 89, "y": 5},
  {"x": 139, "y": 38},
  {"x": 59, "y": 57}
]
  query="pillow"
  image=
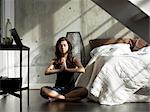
[
  {"x": 145, "y": 49},
  {"x": 99, "y": 42},
  {"x": 137, "y": 44},
  {"x": 111, "y": 49}
]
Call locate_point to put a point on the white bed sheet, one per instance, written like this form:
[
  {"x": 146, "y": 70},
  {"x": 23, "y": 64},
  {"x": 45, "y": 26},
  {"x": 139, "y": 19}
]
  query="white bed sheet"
[{"x": 116, "y": 77}]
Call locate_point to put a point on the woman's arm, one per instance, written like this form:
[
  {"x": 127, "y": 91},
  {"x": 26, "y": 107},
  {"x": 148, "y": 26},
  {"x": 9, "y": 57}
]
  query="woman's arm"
[
  {"x": 51, "y": 69},
  {"x": 79, "y": 67}
]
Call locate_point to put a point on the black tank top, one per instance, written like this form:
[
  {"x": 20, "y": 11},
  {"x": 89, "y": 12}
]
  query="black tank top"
[{"x": 65, "y": 79}]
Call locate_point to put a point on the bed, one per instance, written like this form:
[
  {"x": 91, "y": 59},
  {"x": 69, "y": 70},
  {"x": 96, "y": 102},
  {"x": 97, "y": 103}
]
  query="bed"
[{"x": 119, "y": 69}]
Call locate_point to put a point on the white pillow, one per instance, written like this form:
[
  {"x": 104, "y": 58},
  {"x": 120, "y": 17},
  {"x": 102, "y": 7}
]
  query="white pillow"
[
  {"x": 111, "y": 49},
  {"x": 144, "y": 49}
]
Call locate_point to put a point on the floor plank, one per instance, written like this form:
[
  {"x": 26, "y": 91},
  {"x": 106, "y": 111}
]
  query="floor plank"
[{"x": 38, "y": 104}]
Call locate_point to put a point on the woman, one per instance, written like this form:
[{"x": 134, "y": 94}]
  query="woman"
[{"x": 65, "y": 65}]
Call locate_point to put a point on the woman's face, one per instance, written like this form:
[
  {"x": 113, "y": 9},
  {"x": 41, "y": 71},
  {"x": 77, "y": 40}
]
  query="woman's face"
[{"x": 63, "y": 47}]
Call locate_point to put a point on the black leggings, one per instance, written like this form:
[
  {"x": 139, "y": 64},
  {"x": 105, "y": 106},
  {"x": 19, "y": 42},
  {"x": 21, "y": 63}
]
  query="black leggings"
[{"x": 76, "y": 94}]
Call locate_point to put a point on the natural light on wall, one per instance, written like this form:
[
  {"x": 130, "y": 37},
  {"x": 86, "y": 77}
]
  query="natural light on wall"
[
  {"x": 104, "y": 25},
  {"x": 124, "y": 33},
  {"x": 28, "y": 40},
  {"x": 69, "y": 21}
]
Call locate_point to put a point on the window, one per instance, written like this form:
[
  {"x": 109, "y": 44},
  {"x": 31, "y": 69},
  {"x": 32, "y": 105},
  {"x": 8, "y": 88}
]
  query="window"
[
  {"x": 1, "y": 16},
  {"x": 1, "y": 19}
]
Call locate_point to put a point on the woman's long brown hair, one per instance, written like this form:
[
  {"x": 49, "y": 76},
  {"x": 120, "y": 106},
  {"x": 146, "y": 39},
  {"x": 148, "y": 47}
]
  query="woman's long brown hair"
[{"x": 58, "y": 53}]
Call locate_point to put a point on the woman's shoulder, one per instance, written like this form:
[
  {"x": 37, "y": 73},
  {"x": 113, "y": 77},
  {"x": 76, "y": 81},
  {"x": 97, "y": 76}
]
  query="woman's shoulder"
[
  {"x": 54, "y": 60},
  {"x": 75, "y": 58}
]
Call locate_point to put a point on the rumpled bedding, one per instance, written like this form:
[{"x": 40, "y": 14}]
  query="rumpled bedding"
[{"x": 118, "y": 73}]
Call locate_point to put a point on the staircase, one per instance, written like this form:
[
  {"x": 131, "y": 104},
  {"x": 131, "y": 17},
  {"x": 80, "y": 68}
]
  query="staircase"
[
  {"x": 144, "y": 5},
  {"x": 129, "y": 14}
]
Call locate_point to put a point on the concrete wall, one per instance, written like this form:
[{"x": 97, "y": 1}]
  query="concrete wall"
[{"x": 41, "y": 22}]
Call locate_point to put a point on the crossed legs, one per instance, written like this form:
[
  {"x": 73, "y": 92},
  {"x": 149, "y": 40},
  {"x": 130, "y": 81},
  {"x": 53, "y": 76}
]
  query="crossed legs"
[
  {"x": 76, "y": 94},
  {"x": 48, "y": 93}
]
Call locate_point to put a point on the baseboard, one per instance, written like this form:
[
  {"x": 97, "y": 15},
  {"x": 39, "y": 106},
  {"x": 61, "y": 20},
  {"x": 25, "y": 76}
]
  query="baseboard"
[
  {"x": 33, "y": 86},
  {"x": 38, "y": 86}
]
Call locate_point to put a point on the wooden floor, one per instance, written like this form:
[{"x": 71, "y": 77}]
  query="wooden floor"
[{"x": 38, "y": 104}]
